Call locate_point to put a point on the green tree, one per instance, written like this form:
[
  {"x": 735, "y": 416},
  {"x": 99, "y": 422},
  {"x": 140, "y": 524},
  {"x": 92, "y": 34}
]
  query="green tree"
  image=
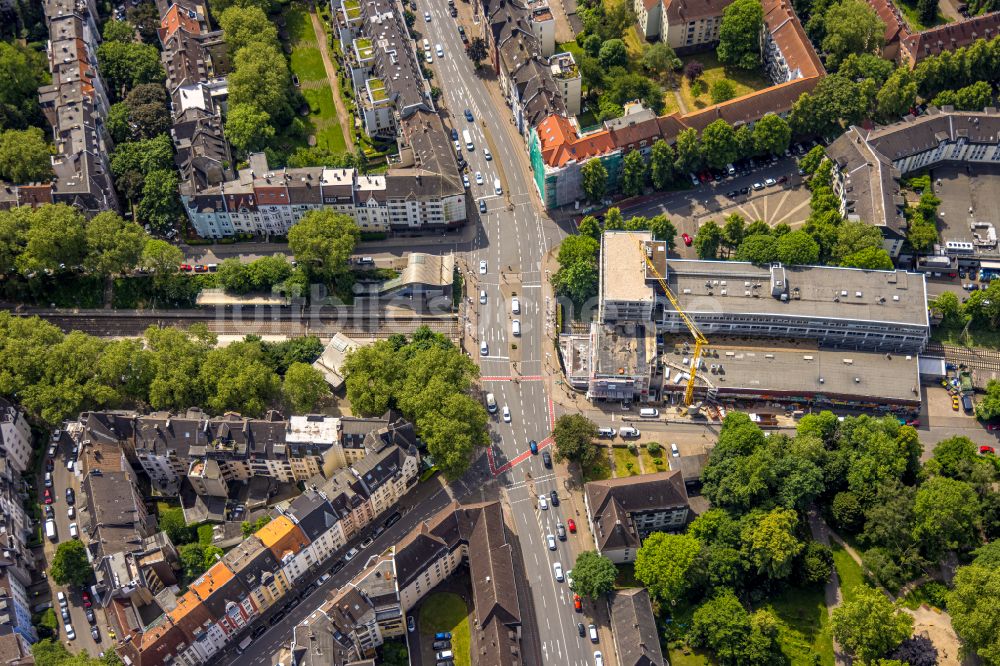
[
  {"x": 722, "y": 90},
  {"x": 659, "y": 59},
  {"x": 771, "y": 134},
  {"x": 453, "y": 432},
  {"x": 870, "y": 257},
  {"x": 303, "y": 387},
  {"x": 161, "y": 258},
  {"x": 846, "y": 510},
  {"x": 739, "y": 34},
  {"x": 113, "y": 245},
  {"x": 593, "y": 575},
  {"x": 722, "y": 625},
  {"x": 853, "y": 237},
  {"x": 133, "y": 161},
  {"x": 260, "y": 78},
  {"x": 733, "y": 231},
  {"x": 589, "y": 226},
  {"x": 25, "y": 156},
  {"x": 248, "y": 128},
  {"x": 770, "y": 543},
  {"x": 834, "y": 102},
  {"x": 70, "y": 565},
  {"x": 147, "y": 111},
  {"x": 689, "y": 151},
  {"x": 760, "y": 249},
  {"x": 661, "y": 164},
  {"x": 172, "y": 522},
  {"x": 22, "y": 71},
  {"x": 54, "y": 239},
  {"x": 975, "y": 97},
  {"x": 707, "y": 240},
  {"x": 160, "y": 205},
  {"x": 974, "y": 606},
  {"x": 476, "y": 50},
  {"x": 594, "y": 179},
  {"x": 798, "y": 248},
  {"x": 244, "y": 27},
  {"x": 633, "y": 174},
  {"x": 394, "y": 653},
  {"x": 613, "y": 54},
  {"x": 663, "y": 229},
  {"x": 666, "y": 564},
  {"x": 574, "y": 436},
  {"x": 192, "y": 560},
  {"x": 577, "y": 275},
  {"x": 921, "y": 233},
  {"x": 866, "y": 66},
  {"x": 897, "y": 95},
  {"x": 125, "y": 65},
  {"x": 323, "y": 241},
  {"x": 947, "y": 516},
  {"x": 869, "y": 625},
  {"x": 237, "y": 378},
  {"x": 851, "y": 26},
  {"x": 118, "y": 31},
  {"x": 718, "y": 142}
]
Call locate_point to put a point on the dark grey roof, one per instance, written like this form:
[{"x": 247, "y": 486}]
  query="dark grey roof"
[
  {"x": 634, "y": 629},
  {"x": 395, "y": 57},
  {"x": 116, "y": 516},
  {"x": 202, "y": 157},
  {"x": 612, "y": 501},
  {"x": 251, "y": 561},
  {"x": 312, "y": 513}
]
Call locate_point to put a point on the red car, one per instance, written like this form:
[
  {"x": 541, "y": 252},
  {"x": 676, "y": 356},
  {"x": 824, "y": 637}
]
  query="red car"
[
  {"x": 577, "y": 603},
  {"x": 687, "y": 239},
  {"x": 48, "y": 496},
  {"x": 983, "y": 450},
  {"x": 86, "y": 599},
  {"x": 185, "y": 267},
  {"x": 571, "y": 524}
]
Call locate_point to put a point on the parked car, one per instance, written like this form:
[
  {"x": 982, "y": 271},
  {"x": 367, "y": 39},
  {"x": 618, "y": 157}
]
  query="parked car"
[
  {"x": 411, "y": 624},
  {"x": 442, "y": 636},
  {"x": 482, "y": 206},
  {"x": 351, "y": 554},
  {"x": 47, "y": 496},
  {"x": 70, "y": 634},
  {"x": 687, "y": 239},
  {"x": 441, "y": 645},
  {"x": 85, "y": 597},
  {"x": 558, "y": 570},
  {"x": 468, "y": 115},
  {"x": 571, "y": 524},
  {"x": 550, "y": 539},
  {"x": 70, "y": 496},
  {"x": 91, "y": 618}
]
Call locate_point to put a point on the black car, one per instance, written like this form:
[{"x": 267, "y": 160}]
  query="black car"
[
  {"x": 554, "y": 496},
  {"x": 454, "y": 134},
  {"x": 70, "y": 496},
  {"x": 441, "y": 645},
  {"x": 276, "y": 619},
  {"x": 337, "y": 567},
  {"x": 91, "y": 618},
  {"x": 546, "y": 459},
  {"x": 580, "y": 629},
  {"x": 259, "y": 631},
  {"x": 391, "y": 520}
]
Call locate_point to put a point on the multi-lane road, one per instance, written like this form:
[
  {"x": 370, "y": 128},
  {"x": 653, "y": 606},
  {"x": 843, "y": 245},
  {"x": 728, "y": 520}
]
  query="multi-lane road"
[{"x": 512, "y": 238}]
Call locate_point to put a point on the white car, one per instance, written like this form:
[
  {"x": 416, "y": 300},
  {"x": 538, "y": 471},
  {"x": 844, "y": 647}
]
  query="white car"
[
  {"x": 482, "y": 267},
  {"x": 506, "y": 414},
  {"x": 427, "y": 16},
  {"x": 569, "y": 578},
  {"x": 482, "y": 296},
  {"x": 551, "y": 540},
  {"x": 768, "y": 182},
  {"x": 61, "y": 596},
  {"x": 458, "y": 147},
  {"x": 439, "y": 50},
  {"x": 479, "y": 178},
  {"x": 351, "y": 554},
  {"x": 487, "y": 154},
  {"x": 484, "y": 349},
  {"x": 428, "y": 58},
  {"x": 73, "y": 531},
  {"x": 598, "y": 658},
  {"x": 71, "y": 512},
  {"x": 465, "y": 180},
  {"x": 70, "y": 634},
  {"x": 543, "y": 502},
  {"x": 515, "y": 327},
  {"x": 557, "y": 567},
  {"x": 515, "y": 305}
]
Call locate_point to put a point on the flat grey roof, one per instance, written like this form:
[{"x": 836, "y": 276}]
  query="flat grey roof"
[
  {"x": 623, "y": 268},
  {"x": 814, "y": 291},
  {"x": 799, "y": 367}
]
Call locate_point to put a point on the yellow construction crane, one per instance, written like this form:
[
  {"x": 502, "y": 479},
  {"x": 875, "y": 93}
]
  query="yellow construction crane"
[{"x": 699, "y": 338}]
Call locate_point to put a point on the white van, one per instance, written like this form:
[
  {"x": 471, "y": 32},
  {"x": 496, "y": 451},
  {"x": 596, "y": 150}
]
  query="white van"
[
  {"x": 674, "y": 451},
  {"x": 649, "y": 413},
  {"x": 605, "y": 432},
  {"x": 515, "y": 305},
  {"x": 516, "y": 327},
  {"x": 50, "y": 529},
  {"x": 444, "y": 654},
  {"x": 73, "y": 531},
  {"x": 491, "y": 403},
  {"x": 628, "y": 431},
  {"x": 468, "y": 141},
  {"x": 496, "y": 186}
]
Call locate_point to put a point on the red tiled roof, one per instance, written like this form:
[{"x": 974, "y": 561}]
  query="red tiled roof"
[
  {"x": 788, "y": 34},
  {"x": 176, "y": 18},
  {"x": 949, "y": 37},
  {"x": 895, "y": 27}
]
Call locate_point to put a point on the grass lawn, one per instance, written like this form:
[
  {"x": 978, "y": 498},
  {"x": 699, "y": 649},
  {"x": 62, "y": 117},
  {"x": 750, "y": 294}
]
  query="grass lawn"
[
  {"x": 912, "y": 17},
  {"x": 976, "y": 337},
  {"x": 743, "y": 82},
  {"x": 848, "y": 571},
  {"x": 622, "y": 458},
  {"x": 649, "y": 465},
  {"x": 307, "y": 63},
  {"x": 805, "y": 626},
  {"x": 931, "y": 593},
  {"x": 205, "y": 535},
  {"x": 445, "y": 611}
]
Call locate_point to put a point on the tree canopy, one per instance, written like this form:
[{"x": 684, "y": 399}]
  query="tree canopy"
[
  {"x": 593, "y": 575},
  {"x": 739, "y": 34}
]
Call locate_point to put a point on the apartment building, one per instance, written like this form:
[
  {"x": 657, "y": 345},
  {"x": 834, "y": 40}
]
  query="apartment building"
[
  {"x": 15, "y": 648},
  {"x": 637, "y": 638},
  {"x": 140, "y": 574},
  {"x": 320, "y": 522},
  {"x": 259, "y": 570},
  {"x": 15, "y": 602},
  {"x": 15, "y": 436},
  {"x": 76, "y": 104},
  {"x": 869, "y": 163},
  {"x": 558, "y": 147},
  {"x": 285, "y": 539},
  {"x": 116, "y": 519},
  {"x": 623, "y": 512},
  {"x": 648, "y": 14},
  {"x": 690, "y": 25}
]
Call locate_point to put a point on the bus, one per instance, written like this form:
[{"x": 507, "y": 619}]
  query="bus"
[{"x": 468, "y": 140}]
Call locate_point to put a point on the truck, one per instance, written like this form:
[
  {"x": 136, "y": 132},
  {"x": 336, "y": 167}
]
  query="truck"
[{"x": 468, "y": 140}]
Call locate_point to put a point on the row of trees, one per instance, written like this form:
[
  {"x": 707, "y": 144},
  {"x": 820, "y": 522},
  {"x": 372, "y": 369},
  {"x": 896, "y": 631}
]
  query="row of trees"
[
  {"x": 56, "y": 375},
  {"x": 720, "y": 144},
  {"x": 428, "y": 379}
]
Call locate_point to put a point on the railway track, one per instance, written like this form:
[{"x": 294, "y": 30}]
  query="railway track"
[
  {"x": 109, "y": 323},
  {"x": 976, "y": 358}
]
